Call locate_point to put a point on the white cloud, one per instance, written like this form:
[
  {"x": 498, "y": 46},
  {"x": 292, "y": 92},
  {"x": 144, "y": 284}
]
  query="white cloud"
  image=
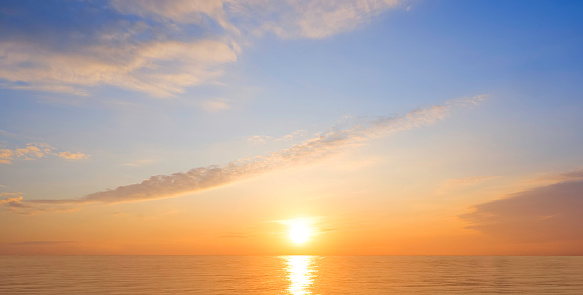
[
  {"x": 161, "y": 68},
  {"x": 182, "y": 11},
  {"x": 165, "y": 58},
  {"x": 307, "y": 18},
  {"x": 36, "y": 150},
  {"x": 287, "y": 19},
  {"x": 312, "y": 150}
]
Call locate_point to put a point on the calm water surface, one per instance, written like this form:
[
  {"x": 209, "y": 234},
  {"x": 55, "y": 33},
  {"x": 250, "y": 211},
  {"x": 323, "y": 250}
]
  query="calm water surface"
[{"x": 290, "y": 275}]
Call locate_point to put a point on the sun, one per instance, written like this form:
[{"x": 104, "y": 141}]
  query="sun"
[{"x": 299, "y": 233}]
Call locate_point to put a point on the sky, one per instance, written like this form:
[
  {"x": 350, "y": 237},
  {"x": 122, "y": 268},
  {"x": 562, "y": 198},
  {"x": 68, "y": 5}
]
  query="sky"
[{"x": 386, "y": 127}]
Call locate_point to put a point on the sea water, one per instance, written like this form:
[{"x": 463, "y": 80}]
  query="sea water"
[{"x": 290, "y": 275}]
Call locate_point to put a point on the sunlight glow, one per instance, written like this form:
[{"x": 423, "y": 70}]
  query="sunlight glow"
[
  {"x": 299, "y": 233},
  {"x": 300, "y": 274}
]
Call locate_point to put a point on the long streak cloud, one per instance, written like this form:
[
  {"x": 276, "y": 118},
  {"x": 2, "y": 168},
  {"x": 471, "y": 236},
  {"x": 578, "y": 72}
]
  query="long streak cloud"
[{"x": 202, "y": 178}]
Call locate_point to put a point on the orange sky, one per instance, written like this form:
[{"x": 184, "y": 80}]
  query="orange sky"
[{"x": 394, "y": 127}]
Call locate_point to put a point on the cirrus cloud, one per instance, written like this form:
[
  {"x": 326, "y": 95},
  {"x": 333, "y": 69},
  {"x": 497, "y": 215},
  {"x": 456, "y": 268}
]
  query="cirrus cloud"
[{"x": 310, "y": 151}]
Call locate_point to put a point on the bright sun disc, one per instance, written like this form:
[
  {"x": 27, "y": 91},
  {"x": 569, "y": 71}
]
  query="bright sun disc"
[{"x": 299, "y": 233}]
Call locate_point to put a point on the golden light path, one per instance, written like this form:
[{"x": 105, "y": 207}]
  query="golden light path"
[{"x": 300, "y": 273}]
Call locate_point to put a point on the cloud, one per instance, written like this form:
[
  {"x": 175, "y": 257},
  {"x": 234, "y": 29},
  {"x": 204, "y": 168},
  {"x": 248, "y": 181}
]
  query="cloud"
[
  {"x": 314, "y": 19},
  {"x": 15, "y": 204},
  {"x": 542, "y": 214},
  {"x": 181, "y": 11},
  {"x": 185, "y": 11},
  {"x": 103, "y": 46},
  {"x": 29, "y": 152},
  {"x": 37, "y": 150},
  {"x": 258, "y": 139},
  {"x": 291, "y": 136},
  {"x": 215, "y": 105},
  {"x": 73, "y": 156},
  {"x": 12, "y": 201},
  {"x": 161, "y": 68},
  {"x": 156, "y": 47},
  {"x": 6, "y": 156},
  {"x": 4, "y": 194},
  {"x": 6, "y": 133},
  {"x": 287, "y": 19},
  {"x": 312, "y": 150}
]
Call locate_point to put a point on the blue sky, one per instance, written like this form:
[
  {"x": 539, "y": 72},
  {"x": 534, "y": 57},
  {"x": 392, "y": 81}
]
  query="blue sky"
[{"x": 97, "y": 95}]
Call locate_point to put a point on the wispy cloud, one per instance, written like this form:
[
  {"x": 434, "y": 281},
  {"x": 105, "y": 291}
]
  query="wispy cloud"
[
  {"x": 73, "y": 156},
  {"x": 314, "y": 19},
  {"x": 161, "y": 68},
  {"x": 37, "y": 150},
  {"x": 257, "y": 139},
  {"x": 6, "y": 133},
  {"x": 12, "y": 201},
  {"x": 287, "y": 19},
  {"x": 180, "y": 11},
  {"x": 158, "y": 47},
  {"x": 542, "y": 214},
  {"x": 215, "y": 105},
  {"x": 312, "y": 150}
]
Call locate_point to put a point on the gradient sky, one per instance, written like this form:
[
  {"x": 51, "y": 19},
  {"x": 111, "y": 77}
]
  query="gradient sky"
[{"x": 207, "y": 127}]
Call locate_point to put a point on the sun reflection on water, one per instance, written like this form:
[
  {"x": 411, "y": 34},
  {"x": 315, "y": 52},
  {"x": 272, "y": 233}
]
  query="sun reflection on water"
[{"x": 300, "y": 274}]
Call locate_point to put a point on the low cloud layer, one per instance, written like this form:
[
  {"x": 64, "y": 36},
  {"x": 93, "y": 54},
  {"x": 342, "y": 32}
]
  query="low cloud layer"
[
  {"x": 152, "y": 46},
  {"x": 312, "y": 150},
  {"x": 542, "y": 214},
  {"x": 34, "y": 151}
]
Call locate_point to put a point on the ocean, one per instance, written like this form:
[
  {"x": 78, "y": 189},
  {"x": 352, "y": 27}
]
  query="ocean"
[{"x": 291, "y": 275}]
